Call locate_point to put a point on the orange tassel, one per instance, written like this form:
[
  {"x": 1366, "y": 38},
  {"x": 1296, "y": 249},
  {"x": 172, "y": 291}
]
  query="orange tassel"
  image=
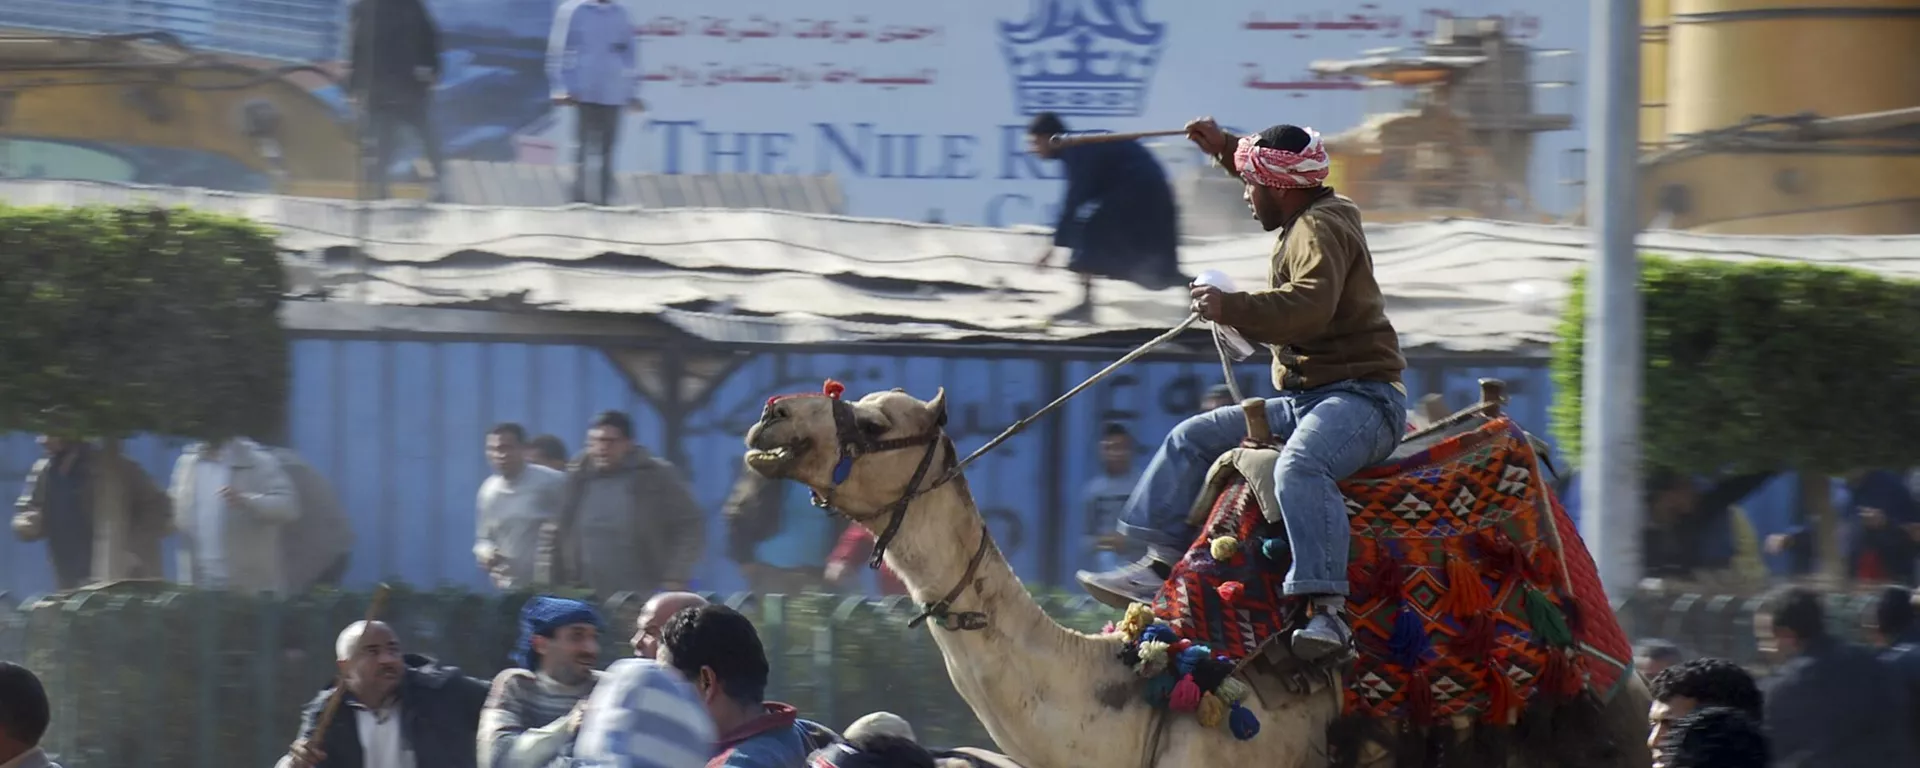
[
  {"x": 1387, "y": 580},
  {"x": 1544, "y": 567},
  {"x": 1478, "y": 639},
  {"x": 1555, "y": 669},
  {"x": 1466, "y": 593},
  {"x": 1420, "y": 699},
  {"x": 1573, "y": 674},
  {"x": 1503, "y": 706},
  {"x": 1562, "y": 678}
]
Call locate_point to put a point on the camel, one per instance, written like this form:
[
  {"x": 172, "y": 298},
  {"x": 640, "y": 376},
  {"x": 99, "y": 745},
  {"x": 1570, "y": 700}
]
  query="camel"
[{"x": 1049, "y": 697}]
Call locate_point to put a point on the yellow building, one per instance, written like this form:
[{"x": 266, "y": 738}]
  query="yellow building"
[
  {"x": 118, "y": 108},
  {"x": 1781, "y": 117}
]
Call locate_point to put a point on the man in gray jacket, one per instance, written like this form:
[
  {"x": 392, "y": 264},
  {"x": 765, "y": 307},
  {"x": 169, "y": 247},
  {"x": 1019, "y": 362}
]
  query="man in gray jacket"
[{"x": 628, "y": 521}]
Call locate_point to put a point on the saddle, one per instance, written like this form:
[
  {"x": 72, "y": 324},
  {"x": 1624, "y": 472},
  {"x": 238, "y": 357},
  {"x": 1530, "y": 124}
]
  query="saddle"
[{"x": 1471, "y": 598}]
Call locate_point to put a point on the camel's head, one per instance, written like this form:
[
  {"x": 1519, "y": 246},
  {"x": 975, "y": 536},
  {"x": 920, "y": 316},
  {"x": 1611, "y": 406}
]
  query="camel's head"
[{"x": 864, "y": 451}]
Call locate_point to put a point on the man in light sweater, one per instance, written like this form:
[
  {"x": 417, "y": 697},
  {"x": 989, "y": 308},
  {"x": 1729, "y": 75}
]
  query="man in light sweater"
[
  {"x": 592, "y": 67},
  {"x": 513, "y": 504},
  {"x": 535, "y": 710}
]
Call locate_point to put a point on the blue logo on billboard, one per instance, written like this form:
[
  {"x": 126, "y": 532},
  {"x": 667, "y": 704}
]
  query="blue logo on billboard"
[{"x": 1082, "y": 57}]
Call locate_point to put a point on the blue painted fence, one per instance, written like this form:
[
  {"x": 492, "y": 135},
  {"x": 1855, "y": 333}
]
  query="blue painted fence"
[{"x": 398, "y": 427}]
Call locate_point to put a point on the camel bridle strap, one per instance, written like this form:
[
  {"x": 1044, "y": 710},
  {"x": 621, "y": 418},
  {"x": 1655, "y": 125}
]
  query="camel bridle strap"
[
  {"x": 896, "y": 513},
  {"x": 853, "y": 444}
]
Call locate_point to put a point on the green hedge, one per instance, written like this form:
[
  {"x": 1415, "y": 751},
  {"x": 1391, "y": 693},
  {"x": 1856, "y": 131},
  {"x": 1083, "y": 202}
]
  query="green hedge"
[
  {"x": 146, "y": 674},
  {"x": 122, "y": 320},
  {"x": 1764, "y": 366}
]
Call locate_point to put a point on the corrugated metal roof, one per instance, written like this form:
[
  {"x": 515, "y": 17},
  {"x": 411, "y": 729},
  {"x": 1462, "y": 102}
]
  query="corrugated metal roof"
[
  {"x": 1465, "y": 286},
  {"x": 528, "y": 185}
]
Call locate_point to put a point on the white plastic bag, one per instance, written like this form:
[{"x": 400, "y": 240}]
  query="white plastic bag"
[{"x": 1231, "y": 340}]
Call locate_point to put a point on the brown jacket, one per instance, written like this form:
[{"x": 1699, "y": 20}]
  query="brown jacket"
[
  {"x": 752, "y": 514},
  {"x": 130, "y": 515},
  {"x": 668, "y": 529},
  {"x": 1324, "y": 318}
]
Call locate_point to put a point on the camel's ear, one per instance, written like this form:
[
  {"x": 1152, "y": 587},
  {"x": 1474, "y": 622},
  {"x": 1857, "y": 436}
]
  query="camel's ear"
[{"x": 938, "y": 407}]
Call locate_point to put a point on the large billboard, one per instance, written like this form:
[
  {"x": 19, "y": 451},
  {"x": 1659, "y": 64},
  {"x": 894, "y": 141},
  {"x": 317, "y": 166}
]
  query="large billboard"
[{"x": 917, "y": 107}]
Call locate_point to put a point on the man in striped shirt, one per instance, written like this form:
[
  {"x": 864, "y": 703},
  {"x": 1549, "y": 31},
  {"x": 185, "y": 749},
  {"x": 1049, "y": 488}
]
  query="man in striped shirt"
[
  {"x": 643, "y": 714},
  {"x": 535, "y": 709}
]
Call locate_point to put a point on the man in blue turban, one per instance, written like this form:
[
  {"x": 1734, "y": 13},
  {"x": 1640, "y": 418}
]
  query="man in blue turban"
[{"x": 534, "y": 712}]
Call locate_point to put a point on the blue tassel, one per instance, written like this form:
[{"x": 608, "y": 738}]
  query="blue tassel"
[
  {"x": 1273, "y": 549},
  {"x": 1160, "y": 691},
  {"x": 1160, "y": 632},
  {"x": 1190, "y": 657},
  {"x": 1242, "y": 722},
  {"x": 1409, "y": 643}
]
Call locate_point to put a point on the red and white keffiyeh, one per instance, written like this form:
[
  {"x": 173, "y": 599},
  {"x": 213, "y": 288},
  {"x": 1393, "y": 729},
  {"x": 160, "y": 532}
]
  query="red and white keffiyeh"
[{"x": 1280, "y": 169}]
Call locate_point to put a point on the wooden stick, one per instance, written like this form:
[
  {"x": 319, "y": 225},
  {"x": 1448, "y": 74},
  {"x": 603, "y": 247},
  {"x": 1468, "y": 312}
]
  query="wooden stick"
[
  {"x": 1076, "y": 139},
  {"x": 340, "y": 684}
]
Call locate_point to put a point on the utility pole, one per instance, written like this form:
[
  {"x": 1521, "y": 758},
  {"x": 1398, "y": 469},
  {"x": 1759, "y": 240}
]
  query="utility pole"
[{"x": 1612, "y": 514}]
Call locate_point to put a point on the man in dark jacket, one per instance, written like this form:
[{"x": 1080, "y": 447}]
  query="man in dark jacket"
[
  {"x": 395, "y": 704},
  {"x": 1118, "y": 216},
  {"x": 1682, "y": 689},
  {"x": 395, "y": 62},
  {"x": 1832, "y": 705},
  {"x": 628, "y": 522},
  {"x": 1899, "y": 635}
]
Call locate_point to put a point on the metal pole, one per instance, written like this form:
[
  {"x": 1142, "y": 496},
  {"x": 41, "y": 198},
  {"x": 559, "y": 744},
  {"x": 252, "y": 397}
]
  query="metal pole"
[{"x": 1611, "y": 511}]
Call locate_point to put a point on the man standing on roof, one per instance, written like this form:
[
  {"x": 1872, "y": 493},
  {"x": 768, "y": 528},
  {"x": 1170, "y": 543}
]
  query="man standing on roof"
[
  {"x": 1118, "y": 217},
  {"x": 1336, "y": 362}
]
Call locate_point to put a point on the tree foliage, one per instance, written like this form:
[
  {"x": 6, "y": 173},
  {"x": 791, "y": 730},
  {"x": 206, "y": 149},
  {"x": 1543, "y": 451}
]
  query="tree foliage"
[
  {"x": 1764, "y": 366},
  {"x": 122, "y": 320}
]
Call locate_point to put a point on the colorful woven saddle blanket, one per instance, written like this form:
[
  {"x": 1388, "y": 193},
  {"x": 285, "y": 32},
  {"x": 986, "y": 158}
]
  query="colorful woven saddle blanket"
[{"x": 1470, "y": 592}]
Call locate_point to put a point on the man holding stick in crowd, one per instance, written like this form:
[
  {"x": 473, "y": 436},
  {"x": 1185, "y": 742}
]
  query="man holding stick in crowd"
[{"x": 398, "y": 711}]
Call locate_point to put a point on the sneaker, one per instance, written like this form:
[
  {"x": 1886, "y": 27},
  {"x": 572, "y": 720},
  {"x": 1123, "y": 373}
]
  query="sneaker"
[
  {"x": 1135, "y": 582},
  {"x": 1325, "y": 635}
]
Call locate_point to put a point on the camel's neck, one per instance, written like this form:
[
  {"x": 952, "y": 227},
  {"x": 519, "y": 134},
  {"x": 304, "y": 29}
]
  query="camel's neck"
[
  {"x": 931, "y": 553},
  {"x": 1021, "y": 651}
]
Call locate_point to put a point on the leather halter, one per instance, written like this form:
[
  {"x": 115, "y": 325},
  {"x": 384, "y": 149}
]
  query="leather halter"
[{"x": 853, "y": 444}]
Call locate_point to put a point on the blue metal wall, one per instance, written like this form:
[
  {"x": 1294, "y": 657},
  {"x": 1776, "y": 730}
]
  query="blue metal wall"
[{"x": 398, "y": 427}]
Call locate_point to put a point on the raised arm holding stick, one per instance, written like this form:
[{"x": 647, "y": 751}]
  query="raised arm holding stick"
[{"x": 1336, "y": 364}]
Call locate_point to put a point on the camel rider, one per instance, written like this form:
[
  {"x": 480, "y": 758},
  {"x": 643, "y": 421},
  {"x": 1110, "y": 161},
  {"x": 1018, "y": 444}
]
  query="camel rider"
[{"x": 1336, "y": 363}]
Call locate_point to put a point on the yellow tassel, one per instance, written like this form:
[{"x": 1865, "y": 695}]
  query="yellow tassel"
[
  {"x": 1138, "y": 618},
  {"x": 1224, "y": 548},
  {"x": 1231, "y": 691},
  {"x": 1213, "y": 711}
]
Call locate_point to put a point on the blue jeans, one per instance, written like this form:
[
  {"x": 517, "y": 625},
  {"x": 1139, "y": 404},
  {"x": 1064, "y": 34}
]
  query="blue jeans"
[{"x": 1330, "y": 432}]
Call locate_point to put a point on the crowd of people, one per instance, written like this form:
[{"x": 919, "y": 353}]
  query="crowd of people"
[
  {"x": 693, "y": 694},
  {"x": 1831, "y": 703},
  {"x": 258, "y": 519}
]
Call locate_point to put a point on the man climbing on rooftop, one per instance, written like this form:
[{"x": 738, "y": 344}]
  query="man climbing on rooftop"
[{"x": 1336, "y": 362}]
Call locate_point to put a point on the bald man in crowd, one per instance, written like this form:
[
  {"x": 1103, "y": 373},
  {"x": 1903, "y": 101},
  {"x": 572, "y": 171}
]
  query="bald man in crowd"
[
  {"x": 654, "y": 616},
  {"x": 400, "y": 710}
]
